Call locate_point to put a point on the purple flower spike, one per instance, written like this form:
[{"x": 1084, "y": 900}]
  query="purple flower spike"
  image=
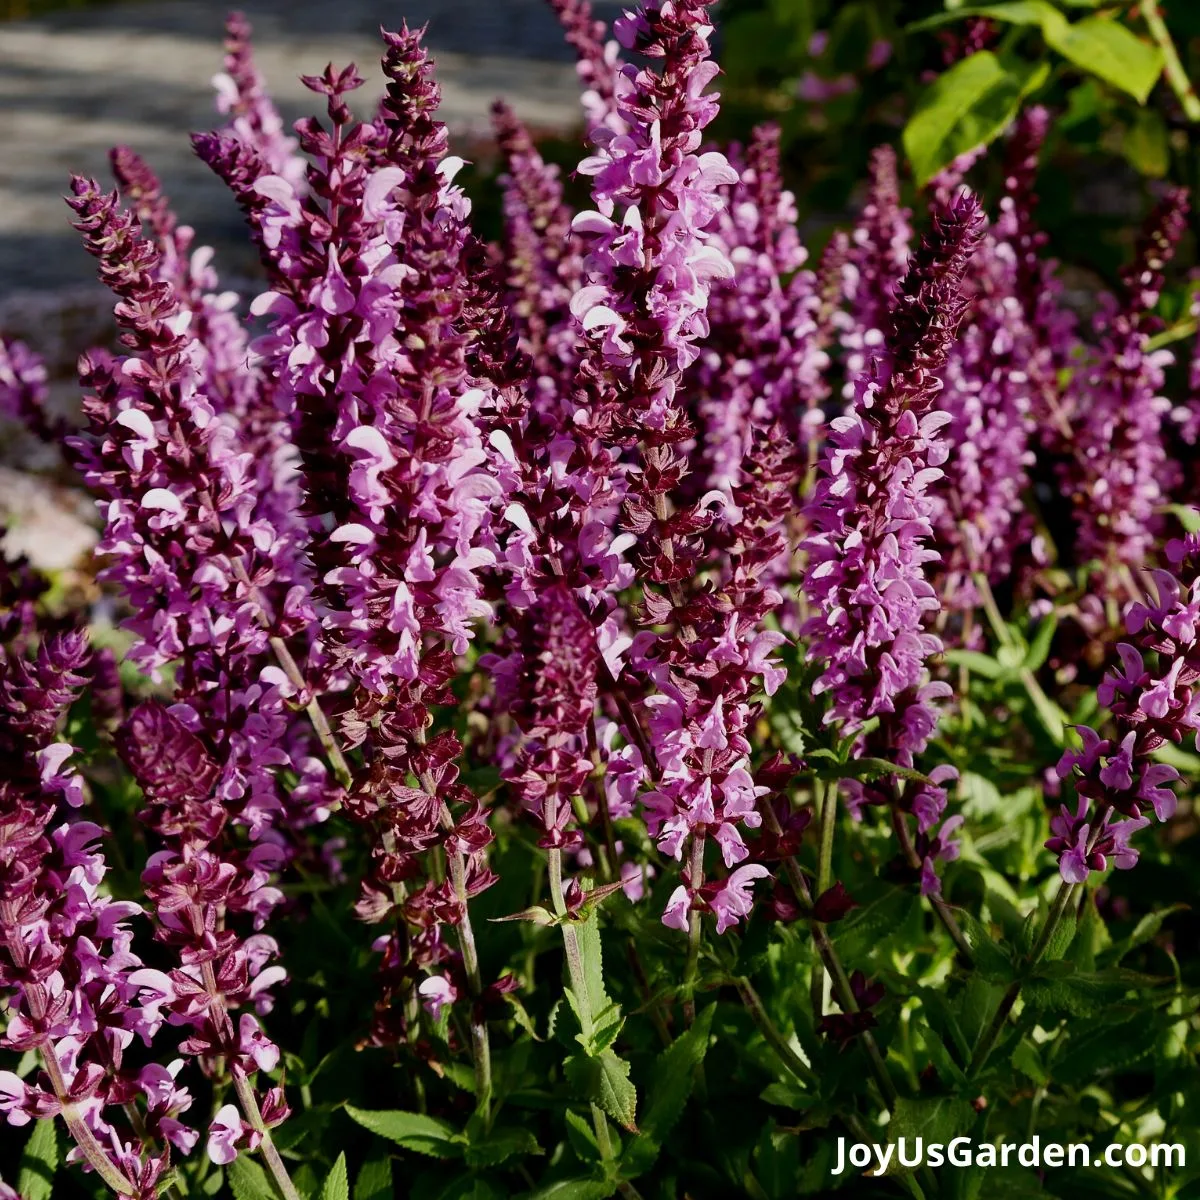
[{"x": 1116, "y": 778}]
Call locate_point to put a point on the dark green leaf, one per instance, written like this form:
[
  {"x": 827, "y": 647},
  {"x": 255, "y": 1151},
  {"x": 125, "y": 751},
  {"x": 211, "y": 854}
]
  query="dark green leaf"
[
  {"x": 413, "y": 1131},
  {"x": 1146, "y": 930},
  {"x": 992, "y": 961},
  {"x": 1105, "y": 1049},
  {"x": 863, "y": 930},
  {"x": 936, "y": 1119},
  {"x": 374, "y": 1181},
  {"x": 582, "y": 1137},
  {"x": 500, "y": 1145},
  {"x": 674, "y": 1077},
  {"x": 39, "y": 1161}
]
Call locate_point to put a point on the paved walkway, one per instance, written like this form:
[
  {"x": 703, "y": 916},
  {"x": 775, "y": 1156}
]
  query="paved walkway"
[{"x": 73, "y": 84}]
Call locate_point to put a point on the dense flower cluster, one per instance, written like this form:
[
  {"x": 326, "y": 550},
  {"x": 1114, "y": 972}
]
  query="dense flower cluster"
[
  {"x": 617, "y": 542},
  {"x": 1120, "y": 472},
  {"x": 1155, "y": 703}
]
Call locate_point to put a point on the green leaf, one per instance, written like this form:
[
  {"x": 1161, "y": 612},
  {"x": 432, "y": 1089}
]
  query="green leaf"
[
  {"x": 1109, "y": 51},
  {"x": 674, "y": 1077},
  {"x": 337, "y": 1182},
  {"x": 1017, "y": 12},
  {"x": 1188, "y": 515},
  {"x": 39, "y": 1161},
  {"x": 576, "y": 1189},
  {"x": 992, "y": 961},
  {"x": 977, "y": 663},
  {"x": 1105, "y": 1049},
  {"x": 1039, "y": 648},
  {"x": 413, "y": 1131},
  {"x": 1145, "y": 144},
  {"x": 247, "y": 1180},
  {"x": 868, "y": 769},
  {"x": 866, "y": 927},
  {"x": 1061, "y": 938},
  {"x": 936, "y": 1119},
  {"x": 966, "y": 107},
  {"x": 582, "y": 1137},
  {"x": 674, "y": 1074},
  {"x": 1146, "y": 930},
  {"x": 588, "y": 933},
  {"x": 500, "y": 1145},
  {"x": 1028, "y": 1061},
  {"x": 374, "y": 1181},
  {"x": 604, "y": 1080}
]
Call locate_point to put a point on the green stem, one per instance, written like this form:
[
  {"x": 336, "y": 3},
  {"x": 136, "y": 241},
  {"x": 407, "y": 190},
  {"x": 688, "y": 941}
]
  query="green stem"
[
  {"x": 1177, "y": 77},
  {"x": 578, "y": 978},
  {"x": 316, "y": 714},
  {"x": 481, "y": 1049},
  {"x": 267, "y": 1148},
  {"x": 940, "y": 907},
  {"x": 695, "y": 879},
  {"x": 825, "y": 800},
  {"x": 991, "y": 1035},
  {"x": 754, "y": 1006},
  {"x": 245, "y": 1093},
  {"x": 36, "y": 999},
  {"x": 1027, "y": 677},
  {"x": 833, "y": 964}
]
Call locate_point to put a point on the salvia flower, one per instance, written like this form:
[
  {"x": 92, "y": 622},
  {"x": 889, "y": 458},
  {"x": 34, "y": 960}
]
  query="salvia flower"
[
  {"x": 597, "y": 62},
  {"x": 1153, "y": 700},
  {"x": 1119, "y": 473}
]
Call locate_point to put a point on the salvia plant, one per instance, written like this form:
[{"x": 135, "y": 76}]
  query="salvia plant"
[{"x": 609, "y": 710}]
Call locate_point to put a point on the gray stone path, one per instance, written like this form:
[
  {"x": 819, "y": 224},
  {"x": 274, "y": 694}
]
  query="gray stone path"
[{"x": 73, "y": 84}]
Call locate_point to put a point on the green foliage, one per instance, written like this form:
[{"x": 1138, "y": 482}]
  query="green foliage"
[
  {"x": 965, "y": 108},
  {"x": 39, "y": 1162}
]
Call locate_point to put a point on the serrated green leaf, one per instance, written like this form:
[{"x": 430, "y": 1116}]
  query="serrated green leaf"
[
  {"x": 966, "y": 107},
  {"x": 862, "y": 931},
  {"x": 604, "y": 1080},
  {"x": 247, "y": 1180},
  {"x": 39, "y": 1161},
  {"x": 500, "y": 1145},
  {"x": 413, "y": 1131},
  {"x": 374, "y": 1181},
  {"x": 992, "y": 961},
  {"x": 673, "y": 1079},
  {"x": 1106, "y": 49},
  {"x": 868, "y": 769},
  {"x": 1028, "y": 1061},
  {"x": 936, "y": 1119},
  {"x": 588, "y": 933},
  {"x": 337, "y": 1182},
  {"x": 582, "y": 1137},
  {"x": 1105, "y": 1049}
]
